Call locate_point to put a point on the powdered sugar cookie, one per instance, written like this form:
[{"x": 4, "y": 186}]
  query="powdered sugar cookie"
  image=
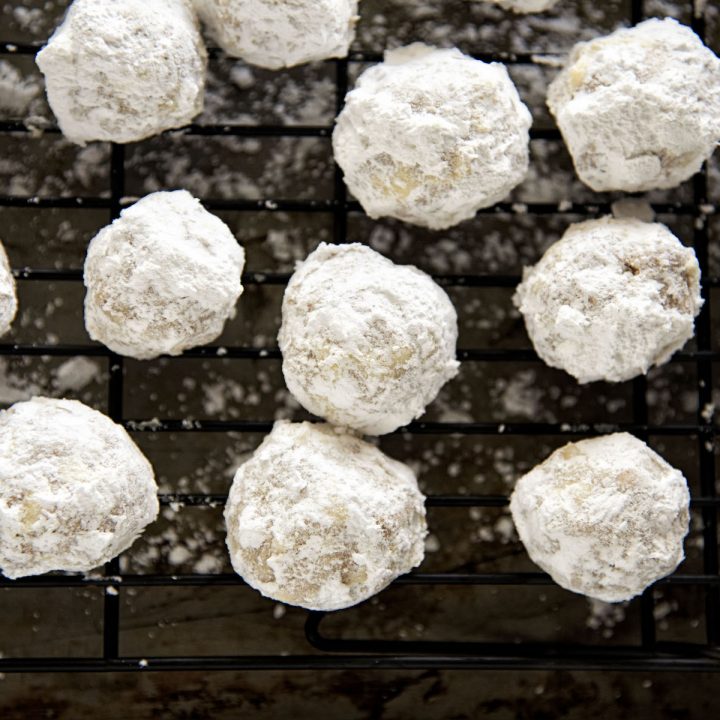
[
  {"x": 611, "y": 299},
  {"x": 163, "y": 278},
  {"x": 123, "y": 71},
  {"x": 431, "y": 136},
  {"x": 321, "y": 519},
  {"x": 366, "y": 343},
  {"x": 75, "y": 491},
  {"x": 281, "y": 33},
  {"x": 640, "y": 108},
  {"x": 605, "y": 517}
]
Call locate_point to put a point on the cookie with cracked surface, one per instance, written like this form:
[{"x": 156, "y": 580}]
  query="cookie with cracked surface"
[
  {"x": 75, "y": 491},
  {"x": 610, "y": 299},
  {"x": 605, "y": 517},
  {"x": 321, "y": 519},
  {"x": 162, "y": 278},
  {"x": 124, "y": 71},
  {"x": 639, "y": 109},
  {"x": 430, "y": 136},
  {"x": 277, "y": 34},
  {"x": 366, "y": 343}
]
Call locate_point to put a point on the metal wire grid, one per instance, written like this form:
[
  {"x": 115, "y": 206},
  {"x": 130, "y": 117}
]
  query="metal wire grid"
[{"x": 336, "y": 654}]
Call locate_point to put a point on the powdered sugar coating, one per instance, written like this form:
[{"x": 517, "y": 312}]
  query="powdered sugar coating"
[
  {"x": 8, "y": 295},
  {"x": 611, "y": 298},
  {"x": 525, "y": 6},
  {"x": 366, "y": 343},
  {"x": 163, "y": 278},
  {"x": 430, "y": 136},
  {"x": 605, "y": 517},
  {"x": 322, "y": 519},
  {"x": 631, "y": 122},
  {"x": 123, "y": 71},
  {"x": 75, "y": 491},
  {"x": 281, "y": 33}
]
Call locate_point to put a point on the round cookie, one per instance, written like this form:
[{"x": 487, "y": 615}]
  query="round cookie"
[
  {"x": 366, "y": 343},
  {"x": 8, "y": 295},
  {"x": 321, "y": 519},
  {"x": 75, "y": 491},
  {"x": 604, "y": 517},
  {"x": 162, "y": 278},
  {"x": 640, "y": 108},
  {"x": 431, "y": 136},
  {"x": 123, "y": 71},
  {"x": 610, "y": 299},
  {"x": 525, "y": 6},
  {"x": 281, "y": 33}
]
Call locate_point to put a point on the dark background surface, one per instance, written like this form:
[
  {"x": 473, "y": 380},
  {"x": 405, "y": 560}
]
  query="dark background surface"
[{"x": 65, "y": 622}]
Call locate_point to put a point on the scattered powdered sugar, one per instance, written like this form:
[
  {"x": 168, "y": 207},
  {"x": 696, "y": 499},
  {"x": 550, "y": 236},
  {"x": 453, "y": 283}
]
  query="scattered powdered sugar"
[
  {"x": 605, "y": 517},
  {"x": 28, "y": 18},
  {"x": 282, "y": 246},
  {"x": 23, "y": 378},
  {"x": 521, "y": 396},
  {"x": 208, "y": 562},
  {"x": 432, "y": 543},
  {"x": 480, "y": 25},
  {"x": 219, "y": 395},
  {"x": 15, "y": 386},
  {"x": 184, "y": 540},
  {"x": 57, "y": 168},
  {"x": 74, "y": 489},
  {"x": 411, "y": 142},
  {"x": 611, "y": 298},
  {"x": 123, "y": 71},
  {"x": 162, "y": 278},
  {"x": 699, "y": 8},
  {"x": 75, "y": 374},
  {"x": 605, "y": 616},
  {"x": 279, "y": 611},
  {"x": 358, "y": 518},
  {"x": 281, "y": 34},
  {"x": 16, "y": 92},
  {"x": 366, "y": 343},
  {"x": 242, "y": 76},
  {"x": 179, "y": 554},
  {"x": 632, "y": 123},
  {"x": 525, "y": 6},
  {"x": 708, "y": 412},
  {"x": 663, "y": 609},
  {"x": 504, "y": 529}
]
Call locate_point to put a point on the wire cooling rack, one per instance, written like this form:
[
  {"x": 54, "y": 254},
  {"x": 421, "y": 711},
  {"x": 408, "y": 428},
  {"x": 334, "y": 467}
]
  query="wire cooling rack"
[{"x": 324, "y": 651}]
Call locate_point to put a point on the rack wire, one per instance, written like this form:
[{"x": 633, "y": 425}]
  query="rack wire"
[{"x": 333, "y": 653}]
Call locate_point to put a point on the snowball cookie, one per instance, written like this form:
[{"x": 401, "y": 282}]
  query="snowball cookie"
[
  {"x": 122, "y": 71},
  {"x": 366, "y": 343},
  {"x": 75, "y": 491},
  {"x": 431, "y": 136},
  {"x": 640, "y": 108},
  {"x": 163, "y": 278},
  {"x": 610, "y": 299},
  {"x": 8, "y": 297},
  {"x": 281, "y": 33},
  {"x": 525, "y": 6},
  {"x": 321, "y": 519},
  {"x": 605, "y": 517}
]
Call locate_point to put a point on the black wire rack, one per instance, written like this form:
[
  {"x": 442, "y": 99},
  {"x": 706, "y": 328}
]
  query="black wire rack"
[{"x": 325, "y": 652}]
